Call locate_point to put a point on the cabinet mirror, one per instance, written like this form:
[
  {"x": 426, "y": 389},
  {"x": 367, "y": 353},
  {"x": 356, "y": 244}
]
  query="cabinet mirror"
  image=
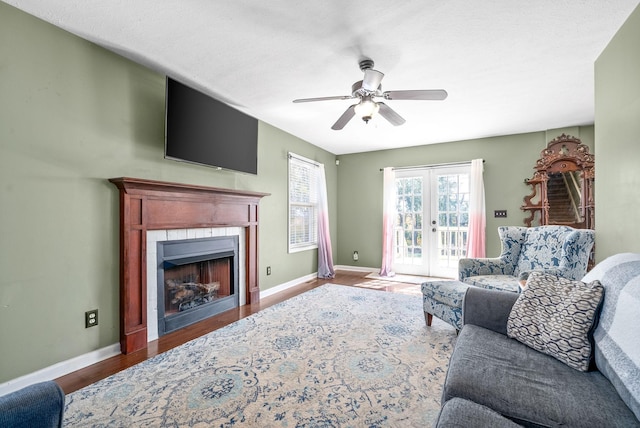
[{"x": 562, "y": 186}]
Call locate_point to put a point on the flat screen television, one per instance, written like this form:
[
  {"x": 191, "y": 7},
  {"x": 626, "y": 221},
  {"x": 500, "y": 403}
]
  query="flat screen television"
[{"x": 202, "y": 130}]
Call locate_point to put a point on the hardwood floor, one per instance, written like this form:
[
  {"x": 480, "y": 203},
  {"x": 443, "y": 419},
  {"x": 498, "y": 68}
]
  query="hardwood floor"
[{"x": 88, "y": 375}]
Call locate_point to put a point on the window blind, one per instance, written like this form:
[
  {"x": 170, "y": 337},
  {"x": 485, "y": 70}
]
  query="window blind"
[{"x": 303, "y": 203}]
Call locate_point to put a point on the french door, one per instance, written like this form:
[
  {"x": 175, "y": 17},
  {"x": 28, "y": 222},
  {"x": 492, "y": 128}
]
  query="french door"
[{"x": 432, "y": 220}]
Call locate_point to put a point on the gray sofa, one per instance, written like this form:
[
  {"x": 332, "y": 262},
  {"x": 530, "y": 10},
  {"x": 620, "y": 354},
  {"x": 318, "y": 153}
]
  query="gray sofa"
[{"x": 494, "y": 380}]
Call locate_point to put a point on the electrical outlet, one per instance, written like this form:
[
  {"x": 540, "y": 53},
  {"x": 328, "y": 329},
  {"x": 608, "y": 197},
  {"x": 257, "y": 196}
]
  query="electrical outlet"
[
  {"x": 91, "y": 318},
  {"x": 355, "y": 256},
  {"x": 268, "y": 270},
  {"x": 500, "y": 214}
]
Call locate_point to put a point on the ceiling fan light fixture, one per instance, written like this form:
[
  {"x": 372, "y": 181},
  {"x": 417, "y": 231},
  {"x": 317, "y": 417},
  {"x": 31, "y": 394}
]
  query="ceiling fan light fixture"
[
  {"x": 366, "y": 109},
  {"x": 366, "y": 90}
]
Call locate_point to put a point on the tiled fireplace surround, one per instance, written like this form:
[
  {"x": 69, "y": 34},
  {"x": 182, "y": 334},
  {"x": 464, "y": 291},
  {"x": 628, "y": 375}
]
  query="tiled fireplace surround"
[
  {"x": 151, "y": 211},
  {"x": 155, "y": 236}
]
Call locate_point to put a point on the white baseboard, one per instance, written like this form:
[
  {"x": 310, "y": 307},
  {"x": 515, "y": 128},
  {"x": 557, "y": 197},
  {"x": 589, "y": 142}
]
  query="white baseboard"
[
  {"x": 356, "y": 268},
  {"x": 60, "y": 369},
  {"x": 278, "y": 288},
  {"x": 65, "y": 367}
]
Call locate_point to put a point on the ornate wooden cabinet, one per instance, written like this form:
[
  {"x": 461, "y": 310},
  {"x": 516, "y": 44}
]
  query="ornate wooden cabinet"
[{"x": 562, "y": 186}]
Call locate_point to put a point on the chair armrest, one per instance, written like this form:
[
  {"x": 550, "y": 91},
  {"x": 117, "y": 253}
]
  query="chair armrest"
[
  {"x": 488, "y": 308},
  {"x": 487, "y": 266},
  {"x": 37, "y": 405}
]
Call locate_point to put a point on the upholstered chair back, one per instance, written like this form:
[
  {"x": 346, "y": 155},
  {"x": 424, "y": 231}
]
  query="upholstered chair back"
[{"x": 546, "y": 248}]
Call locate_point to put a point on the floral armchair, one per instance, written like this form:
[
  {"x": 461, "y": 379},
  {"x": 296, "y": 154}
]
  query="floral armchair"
[{"x": 559, "y": 250}]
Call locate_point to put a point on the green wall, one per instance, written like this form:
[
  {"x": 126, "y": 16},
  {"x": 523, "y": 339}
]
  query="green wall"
[
  {"x": 617, "y": 186},
  {"x": 509, "y": 160},
  {"x": 73, "y": 115}
]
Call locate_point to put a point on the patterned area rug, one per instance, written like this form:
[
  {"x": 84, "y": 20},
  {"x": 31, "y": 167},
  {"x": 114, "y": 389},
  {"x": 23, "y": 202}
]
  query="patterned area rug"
[{"x": 335, "y": 356}]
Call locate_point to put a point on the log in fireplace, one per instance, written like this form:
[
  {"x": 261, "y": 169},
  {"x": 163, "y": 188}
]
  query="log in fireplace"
[{"x": 147, "y": 205}]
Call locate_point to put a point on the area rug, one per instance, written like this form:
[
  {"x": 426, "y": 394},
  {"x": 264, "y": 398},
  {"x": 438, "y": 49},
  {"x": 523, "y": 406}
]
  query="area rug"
[{"x": 335, "y": 356}]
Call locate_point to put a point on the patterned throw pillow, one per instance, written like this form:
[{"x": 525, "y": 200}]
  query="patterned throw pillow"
[{"x": 556, "y": 316}]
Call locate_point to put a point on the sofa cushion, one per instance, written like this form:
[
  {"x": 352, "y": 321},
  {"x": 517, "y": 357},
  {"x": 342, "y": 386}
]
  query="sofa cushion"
[
  {"x": 556, "y": 316},
  {"x": 488, "y": 308},
  {"x": 617, "y": 337},
  {"x": 528, "y": 387},
  {"x": 460, "y": 413}
]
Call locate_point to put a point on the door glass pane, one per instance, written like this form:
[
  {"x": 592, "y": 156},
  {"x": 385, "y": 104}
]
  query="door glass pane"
[
  {"x": 453, "y": 217},
  {"x": 407, "y": 239},
  {"x": 408, "y": 236},
  {"x": 442, "y": 202},
  {"x": 417, "y": 204},
  {"x": 416, "y": 185},
  {"x": 417, "y": 238},
  {"x": 464, "y": 220}
]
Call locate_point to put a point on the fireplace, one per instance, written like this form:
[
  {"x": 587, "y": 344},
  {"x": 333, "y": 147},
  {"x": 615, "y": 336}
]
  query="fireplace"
[
  {"x": 148, "y": 206},
  {"x": 197, "y": 278}
]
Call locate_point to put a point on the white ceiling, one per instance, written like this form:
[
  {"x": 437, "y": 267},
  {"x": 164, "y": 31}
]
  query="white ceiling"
[{"x": 509, "y": 66}]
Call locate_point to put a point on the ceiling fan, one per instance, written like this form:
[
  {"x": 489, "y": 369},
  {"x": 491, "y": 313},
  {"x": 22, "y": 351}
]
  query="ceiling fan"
[{"x": 369, "y": 88}]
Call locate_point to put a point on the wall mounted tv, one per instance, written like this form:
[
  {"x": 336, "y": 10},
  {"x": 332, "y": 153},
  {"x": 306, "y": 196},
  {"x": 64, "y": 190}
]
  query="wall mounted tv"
[{"x": 202, "y": 130}]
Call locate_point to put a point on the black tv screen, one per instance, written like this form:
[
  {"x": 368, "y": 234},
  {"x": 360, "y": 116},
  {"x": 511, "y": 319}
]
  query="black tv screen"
[{"x": 205, "y": 131}]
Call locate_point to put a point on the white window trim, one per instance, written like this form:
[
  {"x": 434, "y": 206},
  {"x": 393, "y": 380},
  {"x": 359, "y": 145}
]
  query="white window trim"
[{"x": 300, "y": 247}]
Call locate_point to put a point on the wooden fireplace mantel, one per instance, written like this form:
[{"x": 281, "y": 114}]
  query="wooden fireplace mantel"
[{"x": 155, "y": 205}]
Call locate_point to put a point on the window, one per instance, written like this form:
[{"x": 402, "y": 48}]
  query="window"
[{"x": 303, "y": 203}]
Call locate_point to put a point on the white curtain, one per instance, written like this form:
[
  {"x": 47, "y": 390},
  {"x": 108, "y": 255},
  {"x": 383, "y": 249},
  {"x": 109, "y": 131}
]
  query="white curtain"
[
  {"x": 476, "y": 247},
  {"x": 325, "y": 256},
  {"x": 388, "y": 220}
]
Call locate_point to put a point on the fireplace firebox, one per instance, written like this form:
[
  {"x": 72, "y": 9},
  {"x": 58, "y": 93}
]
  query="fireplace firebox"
[{"x": 197, "y": 278}]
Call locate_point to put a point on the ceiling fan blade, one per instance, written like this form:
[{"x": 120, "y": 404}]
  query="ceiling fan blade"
[
  {"x": 372, "y": 79},
  {"x": 388, "y": 113},
  {"x": 338, "y": 97},
  {"x": 345, "y": 118},
  {"x": 427, "y": 94}
]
